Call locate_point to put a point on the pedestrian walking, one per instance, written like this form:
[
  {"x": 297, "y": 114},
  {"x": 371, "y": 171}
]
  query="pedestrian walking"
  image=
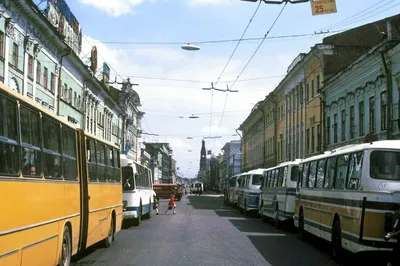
[
  {"x": 156, "y": 202},
  {"x": 171, "y": 203}
]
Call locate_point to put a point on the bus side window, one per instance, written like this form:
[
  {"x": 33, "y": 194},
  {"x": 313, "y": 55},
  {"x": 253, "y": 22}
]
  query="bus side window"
[
  {"x": 285, "y": 175},
  {"x": 70, "y": 170},
  {"x": 355, "y": 169},
  {"x": 280, "y": 177},
  {"x": 330, "y": 172},
  {"x": 341, "y": 171},
  {"x": 320, "y": 173},
  {"x": 92, "y": 163},
  {"x": 304, "y": 176},
  {"x": 312, "y": 175},
  {"x": 31, "y": 142},
  {"x": 9, "y": 146}
]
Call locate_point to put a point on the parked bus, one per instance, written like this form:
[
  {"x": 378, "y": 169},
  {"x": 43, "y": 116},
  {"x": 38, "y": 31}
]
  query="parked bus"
[
  {"x": 60, "y": 187},
  {"x": 249, "y": 190},
  {"x": 347, "y": 196},
  {"x": 138, "y": 194},
  {"x": 278, "y": 191},
  {"x": 232, "y": 191}
]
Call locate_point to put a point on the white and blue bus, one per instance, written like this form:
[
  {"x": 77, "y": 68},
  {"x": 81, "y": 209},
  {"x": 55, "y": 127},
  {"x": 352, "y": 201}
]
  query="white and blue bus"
[
  {"x": 138, "y": 194},
  {"x": 249, "y": 190}
]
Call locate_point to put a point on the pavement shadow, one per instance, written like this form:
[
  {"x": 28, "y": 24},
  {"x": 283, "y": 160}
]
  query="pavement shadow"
[{"x": 206, "y": 202}]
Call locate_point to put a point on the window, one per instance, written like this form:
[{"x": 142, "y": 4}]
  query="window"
[
  {"x": 51, "y": 148},
  {"x": 318, "y": 83},
  {"x": 280, "y": 177},
  {"x": 308, "y": 140},
  {"x": 384, "y": 110},
  {"x": 30, "y": 66},
  {"x": 335, "y": 128},
  {"x": 38, "y": 72},
  {"x": 308, "y": 92},
  {"x": 285, "y": 173},
  {"x": 52, "y": 82},
  {"x": 313, "y": 172},
  {"x": 312, "y": 89},
  {"x": 304, "y": 177},
  {"x": 320, "y": 173},
  {"x": 75, "y": 99},
  {"x": 372, "y": 115},
  {"x": 65, "y": 94},
  {"x": 69, "y": 154},
  {"x": 117, "y": 173},
  {"x": 92, "y": 162},
  {"x": 330, "y": 172},
  {"x": 15, "y": 55},
  {"x": 294, "y": 174},
  {"x": 128, "y": 179},
  {"x": 101, "y": 161},
  {"x": 385, "y": 165},
  {"x": 256, "y": 180},
  {"x": 343, "y": 129},
  {"x": 341, "y": 171},
  {"x": 355, "y": 170},
  {"x": 352, "y": 122},
  {"x": 45, "y": 78},
  {"x": 9, "y": 147},
  {"x": 2, "y": 44},
  {"x": 70, "y": 96},
  {"x": 30, "y": 135},
  {"x": 361, "y": 118},
  {"x": 312, "y": 139}
]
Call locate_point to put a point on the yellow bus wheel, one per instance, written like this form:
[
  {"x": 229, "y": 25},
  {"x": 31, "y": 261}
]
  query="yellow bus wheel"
[{"x": 66, "y": 251}]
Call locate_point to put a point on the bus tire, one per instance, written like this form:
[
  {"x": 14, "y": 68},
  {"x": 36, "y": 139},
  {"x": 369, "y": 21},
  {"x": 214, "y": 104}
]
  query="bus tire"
[
  {"x": 137, "y": 221},
  {"x": 148, "y": 215},
  {"x": 336, "y": 241},
  {"x": 302, "y": 232},
  {"x": 109, "y": 239},
  {"x": 66, "y": 248}
]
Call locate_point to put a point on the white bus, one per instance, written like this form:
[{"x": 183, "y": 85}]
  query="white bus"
[
  {"x": 249, "y": 190},
  {"x": 278, "y": 191},
  {"x": 138, "y": 194},
  {"x": 232, "y": 191},
  {"x": 197, "y": 188},
  {"x": 348, "y": 196}
]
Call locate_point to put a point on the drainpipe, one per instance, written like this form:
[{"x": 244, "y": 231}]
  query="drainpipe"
[
  {"x": 389, "y": 86},
  {"x": 263, "y": 138},
  {"x": 69, "y": 52}
]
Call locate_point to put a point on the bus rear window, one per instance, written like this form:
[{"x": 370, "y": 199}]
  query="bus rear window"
[
  {"x": 385, "y": 165},
  {"x": 257, "y": 179},
  {"x": 128, "y": 180}
]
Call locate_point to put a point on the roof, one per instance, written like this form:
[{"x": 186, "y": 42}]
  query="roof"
[{"x": 382, "y": 144}]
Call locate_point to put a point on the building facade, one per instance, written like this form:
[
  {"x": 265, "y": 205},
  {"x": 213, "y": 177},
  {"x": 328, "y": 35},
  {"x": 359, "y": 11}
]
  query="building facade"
[
  {"x": 39, "y": 58},
  {"x": 358, "y": 98},
  {"x": 161, "y": 162},
  {"x": 232, "y": 158}
]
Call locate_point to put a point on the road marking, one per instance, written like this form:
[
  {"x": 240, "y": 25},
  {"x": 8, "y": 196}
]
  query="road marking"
[
  {"x": 222, "y": 210},
  {"x": 236, "y": 218},
  {"x": 262, "y": 234}
]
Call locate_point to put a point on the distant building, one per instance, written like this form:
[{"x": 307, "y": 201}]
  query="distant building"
[
  {"x": 232, "y": 158},
  {"x": 161, "y": 162}
]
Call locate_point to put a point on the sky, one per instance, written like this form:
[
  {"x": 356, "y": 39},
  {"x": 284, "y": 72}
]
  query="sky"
[{"x": 142, "y": 39}]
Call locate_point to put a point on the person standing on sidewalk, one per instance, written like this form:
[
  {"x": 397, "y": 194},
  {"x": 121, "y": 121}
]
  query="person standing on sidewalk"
[{"x": 171, "y": 203}]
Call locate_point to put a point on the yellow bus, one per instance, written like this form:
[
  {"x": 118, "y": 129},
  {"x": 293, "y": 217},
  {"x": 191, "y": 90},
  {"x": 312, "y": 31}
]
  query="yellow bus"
[
  {"x": 349, "y": 196},
  {"x": 60, "y": 187}
]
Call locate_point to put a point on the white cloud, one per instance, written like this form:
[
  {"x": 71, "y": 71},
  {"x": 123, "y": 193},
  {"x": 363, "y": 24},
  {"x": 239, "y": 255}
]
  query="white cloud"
[
  {"x": 114, "y": 8},
  {"x": 208, "y": 2}
]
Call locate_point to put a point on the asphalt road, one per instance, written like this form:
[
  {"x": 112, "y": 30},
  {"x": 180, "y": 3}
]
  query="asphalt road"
[{"x": 205, "y": 232}]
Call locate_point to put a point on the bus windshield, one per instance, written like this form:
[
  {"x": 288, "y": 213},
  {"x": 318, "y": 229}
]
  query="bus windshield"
[
  {"x": 257, "y": 179},
  {"x": 385, "y": 165},
  {"x": 128, "y": 180}
]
